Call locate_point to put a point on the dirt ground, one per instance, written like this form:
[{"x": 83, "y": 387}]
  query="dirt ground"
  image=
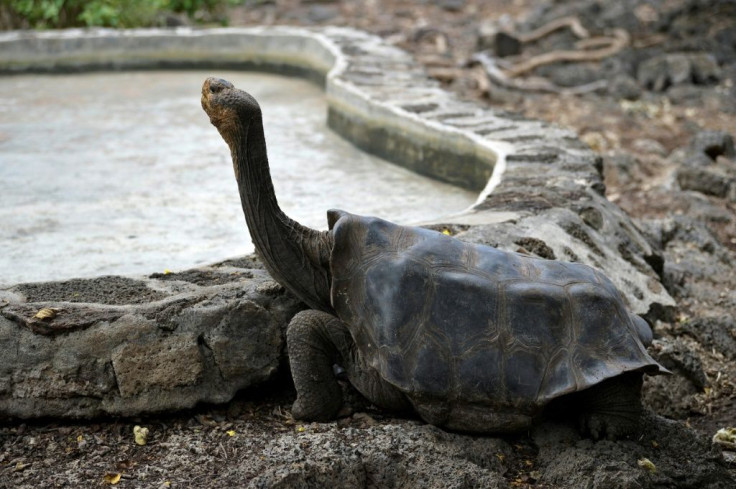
[{"x": 647, "y": 134}]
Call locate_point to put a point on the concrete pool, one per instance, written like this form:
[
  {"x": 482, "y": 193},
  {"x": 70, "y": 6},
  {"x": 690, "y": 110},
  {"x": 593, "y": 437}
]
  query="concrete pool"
[{"x": 121, "y": 173}]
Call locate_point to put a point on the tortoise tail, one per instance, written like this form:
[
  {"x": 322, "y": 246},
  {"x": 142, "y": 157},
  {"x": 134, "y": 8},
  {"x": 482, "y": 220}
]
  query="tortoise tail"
[{"x": 643, "y": 329}]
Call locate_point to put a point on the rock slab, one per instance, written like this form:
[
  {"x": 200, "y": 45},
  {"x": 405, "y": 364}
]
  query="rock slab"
[{"x": 191, "y": 343}]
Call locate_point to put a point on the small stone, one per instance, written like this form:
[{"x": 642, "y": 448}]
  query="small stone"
[
  {"x": 677, "y": 357},
  {"x": 705, "y": 180},
  {"x": 686, "y": 95},
  {"x": 678, "y": 69},
  {"x": 507, "y": 44},
  {"x": 624, "y": 87},
  {"x": 704, "y": 68},
  {"x": 660, "y": 72},
  {"x": 713, "y": 144},
  {"x": 716, "y": 333},
  {"x": 652, "y": 74}
]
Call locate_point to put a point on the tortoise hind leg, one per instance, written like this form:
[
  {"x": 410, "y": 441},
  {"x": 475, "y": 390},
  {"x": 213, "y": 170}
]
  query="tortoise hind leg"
[
  {"x": 611, "y": 409},
  {"x": 315, "y": 340}
]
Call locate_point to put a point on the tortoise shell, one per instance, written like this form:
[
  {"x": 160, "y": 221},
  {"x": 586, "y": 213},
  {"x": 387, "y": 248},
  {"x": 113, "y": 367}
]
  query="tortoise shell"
[{"x": 440, "y": 318}]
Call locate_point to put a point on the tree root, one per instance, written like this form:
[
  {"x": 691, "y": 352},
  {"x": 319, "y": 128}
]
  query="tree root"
[{"x": 572, "y": 22}]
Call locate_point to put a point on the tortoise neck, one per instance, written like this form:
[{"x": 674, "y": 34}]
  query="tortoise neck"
[{"x": 295, "y": 255}]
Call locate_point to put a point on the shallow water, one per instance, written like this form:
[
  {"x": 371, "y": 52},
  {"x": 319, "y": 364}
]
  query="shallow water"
[{"x": 121, "y": 173}]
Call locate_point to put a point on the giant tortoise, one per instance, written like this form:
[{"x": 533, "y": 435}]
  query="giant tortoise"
[{"x": 470, "y": 337}]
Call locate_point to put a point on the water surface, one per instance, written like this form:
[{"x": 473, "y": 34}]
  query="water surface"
[{"x": 121, "y": 173}]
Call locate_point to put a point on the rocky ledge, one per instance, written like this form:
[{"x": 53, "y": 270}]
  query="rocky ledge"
[{"x": 123, "y": 346}]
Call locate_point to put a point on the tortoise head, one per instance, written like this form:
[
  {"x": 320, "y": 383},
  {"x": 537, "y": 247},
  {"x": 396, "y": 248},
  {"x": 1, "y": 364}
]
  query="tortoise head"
[{"x": 230, "y": 110}]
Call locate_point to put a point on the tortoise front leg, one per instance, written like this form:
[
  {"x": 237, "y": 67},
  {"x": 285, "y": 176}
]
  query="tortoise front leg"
[{"x": 315, "y": 341}]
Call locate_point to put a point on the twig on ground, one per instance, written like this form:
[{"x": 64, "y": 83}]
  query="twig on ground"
[
  {"x": 612, "y": 45},
  {"x": 530, "y": 84},
  {"x": 572, "y": 22}
]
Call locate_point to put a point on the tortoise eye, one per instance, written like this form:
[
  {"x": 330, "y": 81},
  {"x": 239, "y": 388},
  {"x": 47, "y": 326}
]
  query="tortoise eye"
[{"x": 218, "y": 84}]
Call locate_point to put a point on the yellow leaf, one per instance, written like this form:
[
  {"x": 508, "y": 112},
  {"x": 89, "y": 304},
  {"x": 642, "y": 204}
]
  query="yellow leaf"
[
  {"x": 47, "y": 313},
  {"x": 647, "y": 465},
  {"x": 726, "y": 437},
  {"x": 300, "y": 429},
  {"x": 80, "y": 439},
  {"x": 167, "y": 271},
  {"x": 446, "y": 232},
  {"x": 167, "y": 484},
  {"x": 230, "y": 432},
  {"x": 112, "y": 479},
  {"x": 141, "y": 435}
]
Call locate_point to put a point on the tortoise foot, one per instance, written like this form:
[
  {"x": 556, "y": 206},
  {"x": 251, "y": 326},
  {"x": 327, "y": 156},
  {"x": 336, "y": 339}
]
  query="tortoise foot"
[
  {"x": 316, "y": 341},
  {"x": 311, "y": 409},
  {"x": 608, "y": 426}
]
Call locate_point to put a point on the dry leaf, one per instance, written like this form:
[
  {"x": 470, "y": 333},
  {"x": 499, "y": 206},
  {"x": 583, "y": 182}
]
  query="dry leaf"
[
  {"x": 47, "y": 313},
  {"x": 726, "y": 438},
  {"x": 140, "y": 434},
  {"x": 112, "y": 479},
  {"x": 230, "y": 432},
  {"x": 647, "y": 465}
]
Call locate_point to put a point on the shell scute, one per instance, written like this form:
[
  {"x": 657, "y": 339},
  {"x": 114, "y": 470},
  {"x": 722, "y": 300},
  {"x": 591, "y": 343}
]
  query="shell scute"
[
  {"x": 431, "y": 372},
  {"x": 537, "y": 315},
  {"x": 463, "y": 312},
  {"x": 523, "y": 371},
  {"x": 484, "y": 371},
  {"x": 395, "y": 321}
]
